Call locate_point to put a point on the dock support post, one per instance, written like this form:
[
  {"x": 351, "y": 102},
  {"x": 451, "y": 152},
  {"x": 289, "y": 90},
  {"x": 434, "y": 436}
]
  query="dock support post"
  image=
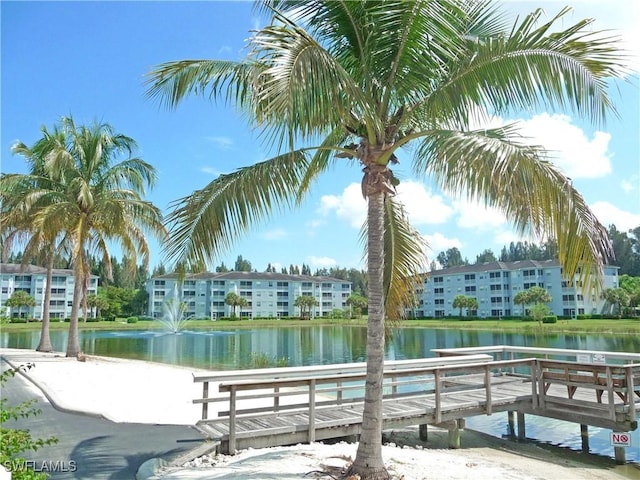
[
  {"x": 620, "y": 454},
  {"x": 422, "y": 432},
  {"x": 512, "y": 423},
  {"x": 584, "y": 435},
  {"x": 522, "y": 431},
  {"x": 454, "y": 435}
]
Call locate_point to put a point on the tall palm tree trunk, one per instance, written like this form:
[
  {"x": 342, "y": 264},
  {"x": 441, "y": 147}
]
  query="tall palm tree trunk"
[
  {"x": 73, "y": 344},
  {"x": 45, "y": 338},
  {"x": 368, "y": 463}
]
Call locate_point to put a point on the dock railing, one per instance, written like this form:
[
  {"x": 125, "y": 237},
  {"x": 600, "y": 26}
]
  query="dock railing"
[
  {"x": 341, "y": 388},
  {"x": 615, "y": 373}
]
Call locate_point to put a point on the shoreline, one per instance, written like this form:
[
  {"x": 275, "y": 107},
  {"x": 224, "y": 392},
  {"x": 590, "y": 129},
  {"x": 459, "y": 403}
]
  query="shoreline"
[{"x": 87, "y": 387}]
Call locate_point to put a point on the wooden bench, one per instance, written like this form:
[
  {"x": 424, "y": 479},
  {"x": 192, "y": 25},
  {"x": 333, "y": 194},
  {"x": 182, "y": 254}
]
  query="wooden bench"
[{"x": 600, "y": 378}]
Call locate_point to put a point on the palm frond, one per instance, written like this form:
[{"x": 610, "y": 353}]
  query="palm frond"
[
  {"x": 493, "y": 166},
  {"x": 405, "y": 260},
  {"x": 205, "y": 223},
  {"x": 170, "y": 82}
]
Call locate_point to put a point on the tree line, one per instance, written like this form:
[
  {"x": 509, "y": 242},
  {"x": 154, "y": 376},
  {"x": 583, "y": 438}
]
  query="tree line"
[{"x": 626, "y": 253}]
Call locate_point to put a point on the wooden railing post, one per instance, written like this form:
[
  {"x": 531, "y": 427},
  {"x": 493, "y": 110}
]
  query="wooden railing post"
[
  {"x": 612, "y": 407},
  {"x": 276, "y": 399},
  {"x": 487, "y": 387},
  {"x": 631, "y": 401},
  {"x": 438, "y": 416},
  {"x": 232, "y": 420},
  {"x": 205, "y": 404},
  {"x": 312, "y": 410}
]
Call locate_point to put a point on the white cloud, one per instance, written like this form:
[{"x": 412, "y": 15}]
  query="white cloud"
[
  {"x": 423, "y": 207},
  {"x": 321, "y": 262},
  {"x": 349, "y": 205},
  {"x": 609, "y": 214},
  {"x": 568, "y": 145},
  {"x": 224, "y": 143},
  {"x": 477, "y": 216},
  {"x": 276, "y": 234},
  {"x": 438, "y": 243}
]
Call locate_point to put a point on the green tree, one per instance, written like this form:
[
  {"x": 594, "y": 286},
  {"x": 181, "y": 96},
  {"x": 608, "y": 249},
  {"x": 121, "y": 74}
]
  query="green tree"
[
  {"x": 21, "y": 198},
  {"x": 242, "y": 265},
  {"x": 617, "y": 298},
  {"x": 364, "y": 80},
  {"x": 235, "y": 301},
  {"x": 539, "y": 297},
  {"x": 632, "y": 286},
  {"x": 305, "y": 303},
  {"x": 358, "y": 304},
  {"x": 19, "y": 300},
  {"x": 451, "y": 258},
  {"x": 98, "y": 197},
  {"x": 472, "y": 305},
  {"x": 522, "y": 298},
  {"x": 97, "y": 304},
  {"x": 486, "y": 256},
  {"x": 459, "y": 302}
]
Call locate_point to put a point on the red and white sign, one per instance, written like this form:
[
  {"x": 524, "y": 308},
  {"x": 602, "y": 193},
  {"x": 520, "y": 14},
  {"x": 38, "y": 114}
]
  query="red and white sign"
[{"x": 620, "y": 439}]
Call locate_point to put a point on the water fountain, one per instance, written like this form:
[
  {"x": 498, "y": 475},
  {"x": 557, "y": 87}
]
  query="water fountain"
[{"x": 173, "y": 318}]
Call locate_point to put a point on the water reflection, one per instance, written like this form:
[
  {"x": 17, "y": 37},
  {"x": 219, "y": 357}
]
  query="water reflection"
[{"x": 316, "y": 345}]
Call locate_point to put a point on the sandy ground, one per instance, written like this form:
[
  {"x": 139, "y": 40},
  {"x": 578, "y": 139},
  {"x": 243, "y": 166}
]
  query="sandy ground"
[{"x": 163, "y": 394}]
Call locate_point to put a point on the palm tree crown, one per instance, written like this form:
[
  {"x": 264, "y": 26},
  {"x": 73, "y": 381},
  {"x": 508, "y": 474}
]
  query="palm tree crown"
[
  {"x": 330, "y": 81},
  {"x": 84, "y": 194}
]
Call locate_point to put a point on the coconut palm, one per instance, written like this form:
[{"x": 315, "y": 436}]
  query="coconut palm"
[
  {"x": 329, "y": 82},
  {"x": 99, "y": 200},
  {"x": 21, "y": 195}
]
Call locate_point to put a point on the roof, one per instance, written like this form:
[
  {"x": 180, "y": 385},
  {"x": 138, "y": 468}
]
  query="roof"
[
  {"x": 18, "y": 269},
  {"x": 251, "y": 276},
  {"x": 494, "y": 266}
]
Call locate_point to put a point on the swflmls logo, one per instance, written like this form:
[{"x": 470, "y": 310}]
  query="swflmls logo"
[{"x": 46, "y": 466}]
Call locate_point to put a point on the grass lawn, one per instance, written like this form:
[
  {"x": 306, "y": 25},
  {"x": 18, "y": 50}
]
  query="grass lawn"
[{"x": 624, "y": 326}]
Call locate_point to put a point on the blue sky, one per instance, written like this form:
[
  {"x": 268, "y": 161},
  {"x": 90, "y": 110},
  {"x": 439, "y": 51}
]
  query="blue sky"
[{"x": 88, "y": 60}]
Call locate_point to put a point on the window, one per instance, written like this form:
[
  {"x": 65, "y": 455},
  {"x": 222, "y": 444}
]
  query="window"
[
  {"x": 245, "y": 283},
  {"x": 438, "y": 279},
  {"x": 470, "y": 289},
  {"x": 438, "y": 290},
  {"x": 470, "y": 276},
  {"x": 496, "y": 287},
  {"x": 439, "y": 301}
]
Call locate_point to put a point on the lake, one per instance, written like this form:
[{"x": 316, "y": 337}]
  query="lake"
[{"x": 315, "y": 345}]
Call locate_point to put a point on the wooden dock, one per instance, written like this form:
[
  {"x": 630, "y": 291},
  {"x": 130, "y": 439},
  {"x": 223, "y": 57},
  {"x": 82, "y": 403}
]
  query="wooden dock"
[{"x": 269, "y": 407}]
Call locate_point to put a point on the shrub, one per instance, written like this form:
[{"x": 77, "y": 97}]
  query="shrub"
[
  {"x": 549, "y": 319},
  {"x": 132, "y": 320},
  {"x": 18, "y": 320}
]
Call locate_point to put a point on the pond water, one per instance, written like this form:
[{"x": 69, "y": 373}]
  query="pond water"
[{"x": 316, "y": 345}]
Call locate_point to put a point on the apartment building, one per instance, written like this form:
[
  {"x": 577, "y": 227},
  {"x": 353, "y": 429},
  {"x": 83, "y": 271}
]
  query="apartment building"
[
  {"x": 32, "y": 280},
  {"x": 267, "y": 294},
  {"x": 495, "y": 284}
]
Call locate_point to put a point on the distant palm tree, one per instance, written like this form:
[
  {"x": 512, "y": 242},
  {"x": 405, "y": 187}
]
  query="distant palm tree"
[
  {"x": 329, "y": 80},
  {"x": 94, "y": 202},
  {"x": 21, "y": 195}
]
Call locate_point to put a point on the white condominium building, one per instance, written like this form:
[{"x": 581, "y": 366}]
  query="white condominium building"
[
  {"x": 268, "y": 295},
  {"x": 495, "y": 284},
  {"x": 32, "y": 280}
]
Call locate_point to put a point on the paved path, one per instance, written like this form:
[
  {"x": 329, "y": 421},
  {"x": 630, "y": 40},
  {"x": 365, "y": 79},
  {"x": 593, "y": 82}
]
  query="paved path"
[{"x": 93, "y": 448}]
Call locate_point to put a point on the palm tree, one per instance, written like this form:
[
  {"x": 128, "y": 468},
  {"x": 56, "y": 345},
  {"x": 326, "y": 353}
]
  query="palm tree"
[
  {"x": 98, "y": 202},
  {"x": 21, "y": 196},
  {"x": 330, "y": 81}
]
